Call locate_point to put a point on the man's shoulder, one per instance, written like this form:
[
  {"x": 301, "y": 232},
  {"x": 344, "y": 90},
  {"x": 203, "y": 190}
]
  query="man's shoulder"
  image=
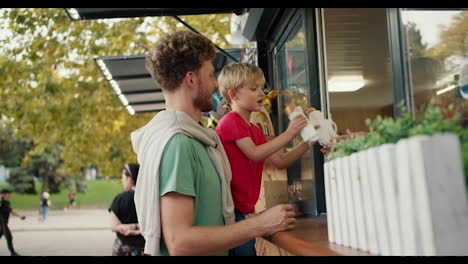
[
  {"x": 4, "y": 204},
  {"x": 182, "y": 141},
  {"x": 180, "y": 138}
]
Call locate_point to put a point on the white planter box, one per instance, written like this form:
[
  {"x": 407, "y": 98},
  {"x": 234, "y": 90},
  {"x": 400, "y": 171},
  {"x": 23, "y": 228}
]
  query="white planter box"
[
  {"x": 380, "y": 213},
  {"x": 369, "y": 218},
  {"x": 407, "y": 198},
  {"x": 342, "y": 210},
  {"x": 359, "y": 213},
  {"x": 388, "y": 170},
  {"x": 349, "y": 199},
  {"x": 327, "y": 168},
  {"x": 336, "y": 217},
  {"x": 406, "y": 202},
  {"x": 439, "y": 195}
]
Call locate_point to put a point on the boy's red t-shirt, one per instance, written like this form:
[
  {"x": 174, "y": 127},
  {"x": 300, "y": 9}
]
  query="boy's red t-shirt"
[{"x": 246, "y": 174}]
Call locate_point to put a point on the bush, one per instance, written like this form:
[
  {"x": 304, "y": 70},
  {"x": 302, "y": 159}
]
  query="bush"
[{"x": 22, "y": 181}]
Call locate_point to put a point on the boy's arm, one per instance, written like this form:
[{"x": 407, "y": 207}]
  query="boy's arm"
[
  {"x": 283, "y": 160},
  {"x": 182, "y": 238},
  {"x": 261, "y": 152}
]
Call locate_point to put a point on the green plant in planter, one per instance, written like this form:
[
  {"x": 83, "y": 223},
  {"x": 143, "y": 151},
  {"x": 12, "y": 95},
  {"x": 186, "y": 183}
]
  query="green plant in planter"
[
  {"x": 381, "y": 131},
  {"x": 389, "y": 130},
  {"x": 438, "y": 120},
  {"x": 347, "y": 147}
]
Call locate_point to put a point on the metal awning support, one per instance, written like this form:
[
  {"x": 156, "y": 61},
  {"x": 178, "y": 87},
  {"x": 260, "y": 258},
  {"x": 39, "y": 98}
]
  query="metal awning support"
[
  {"x": 98, "y": 13},
  {"x": 127, "y": 75},
  {"x": 133, "y": 84}
]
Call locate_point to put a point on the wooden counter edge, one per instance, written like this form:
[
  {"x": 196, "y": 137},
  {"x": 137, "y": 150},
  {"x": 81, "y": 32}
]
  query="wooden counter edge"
[{"x": 309, "y": 238}]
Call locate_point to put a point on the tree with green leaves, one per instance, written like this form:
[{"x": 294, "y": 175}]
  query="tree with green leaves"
[
  {"x": 417, "y": 46},
  {"x": 53, "y": 93}
]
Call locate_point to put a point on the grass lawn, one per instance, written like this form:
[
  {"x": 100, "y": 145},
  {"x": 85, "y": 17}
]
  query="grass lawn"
[{"x": 100, "y": 194}]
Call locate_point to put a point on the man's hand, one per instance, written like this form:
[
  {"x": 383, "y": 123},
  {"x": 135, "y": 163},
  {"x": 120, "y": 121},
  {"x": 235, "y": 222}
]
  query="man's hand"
[{"x": 278, "y": 218}]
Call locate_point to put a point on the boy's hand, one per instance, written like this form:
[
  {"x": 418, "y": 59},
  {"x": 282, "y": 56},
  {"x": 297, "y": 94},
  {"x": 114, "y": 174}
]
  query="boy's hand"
[{"x": 295, "y": 126}]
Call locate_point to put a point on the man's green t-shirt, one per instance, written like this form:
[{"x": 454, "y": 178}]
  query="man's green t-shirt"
[{"x": 186, "y": 168}]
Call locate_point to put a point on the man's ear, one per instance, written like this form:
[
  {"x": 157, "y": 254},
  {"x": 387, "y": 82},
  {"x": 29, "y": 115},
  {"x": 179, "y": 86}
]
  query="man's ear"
[{"x": 189, "y": 79}]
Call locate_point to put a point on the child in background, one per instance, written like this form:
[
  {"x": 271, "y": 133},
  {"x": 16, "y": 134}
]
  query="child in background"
[
  {"x": 71, "y": 200},
  {"x": 241, "y": 84},
  {"x": 44, "y": 205}
]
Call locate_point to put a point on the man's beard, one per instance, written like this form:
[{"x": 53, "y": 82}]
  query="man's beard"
[{"x": 203, "y": 101}]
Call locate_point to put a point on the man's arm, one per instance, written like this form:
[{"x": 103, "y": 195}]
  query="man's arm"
[
  {"x": 15, "y": 213},
  {"x": 182, "y": 238}
]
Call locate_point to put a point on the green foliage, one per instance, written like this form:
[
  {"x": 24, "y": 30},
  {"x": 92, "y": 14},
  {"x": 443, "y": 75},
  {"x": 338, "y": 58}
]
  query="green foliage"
[
  {"x": 436, "y": 119},
  {"x": 54, "y": 93},
  {"x": 99, "y": 195},
  {"x": 21, "y": 180},
  {"x": 44, "y": 165},
  {"x": 12, "y": 149},
  {"x": 415, "y": 40},
  {"x": 389, "y": 130},
  {"x": 381, "y": 131},
  {"x": 347, "y": 147}
]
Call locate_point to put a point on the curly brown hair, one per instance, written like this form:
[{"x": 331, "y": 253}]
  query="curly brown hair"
[{"x": 175, "y": 55}]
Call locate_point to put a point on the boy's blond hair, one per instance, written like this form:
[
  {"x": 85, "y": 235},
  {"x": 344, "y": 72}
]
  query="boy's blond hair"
[{"x": 236, "y": 75}]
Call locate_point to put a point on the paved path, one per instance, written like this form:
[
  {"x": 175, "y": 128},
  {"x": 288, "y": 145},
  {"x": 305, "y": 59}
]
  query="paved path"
[{"x": 78, "y": 232}]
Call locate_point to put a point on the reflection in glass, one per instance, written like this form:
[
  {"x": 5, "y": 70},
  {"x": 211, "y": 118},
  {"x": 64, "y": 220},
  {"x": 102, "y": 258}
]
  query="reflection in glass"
[
  {"x": 293, "y": 88},
  {"x": 437, "y": 48}
]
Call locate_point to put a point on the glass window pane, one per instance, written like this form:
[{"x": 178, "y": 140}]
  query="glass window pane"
[
  {"x": 293, "y": 87},
  {"x": 437, "y": 48},
  {"x": 358, "y": 66}
]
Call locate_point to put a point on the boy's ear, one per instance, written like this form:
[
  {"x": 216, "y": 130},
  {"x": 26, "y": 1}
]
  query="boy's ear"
[{"x": 232, "y": 94}]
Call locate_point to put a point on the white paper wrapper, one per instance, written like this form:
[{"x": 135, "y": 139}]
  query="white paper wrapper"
[{"x": 308, "y": 133}]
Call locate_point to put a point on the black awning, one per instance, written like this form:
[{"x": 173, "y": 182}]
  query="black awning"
[
  {"x": 131, "y": 81},
  {"x": 97, "y": 13}
]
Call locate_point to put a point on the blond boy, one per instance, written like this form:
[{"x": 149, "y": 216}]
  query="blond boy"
[{"x": 241, "y": 84}]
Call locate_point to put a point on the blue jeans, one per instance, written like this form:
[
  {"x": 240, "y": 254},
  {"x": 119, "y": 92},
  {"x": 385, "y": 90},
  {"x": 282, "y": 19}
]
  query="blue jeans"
[
  {"x": 246, "y": 249},
  {"x": 44, "y": 210}
]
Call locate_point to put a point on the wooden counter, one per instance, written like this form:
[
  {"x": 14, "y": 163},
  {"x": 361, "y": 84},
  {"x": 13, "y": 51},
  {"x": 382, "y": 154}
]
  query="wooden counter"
[{"x": 310, "y": 238}]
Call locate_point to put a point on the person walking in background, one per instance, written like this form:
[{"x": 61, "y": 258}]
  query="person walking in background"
[
  {"x": 5, "y": 211},
  {"x": 183, "y": 197},
  {"x": 71, "y": 200},
  {"x": 44, "y": 205},
  {"x": 241, "y": 84},
  {"x": 124, "y": 221}
]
